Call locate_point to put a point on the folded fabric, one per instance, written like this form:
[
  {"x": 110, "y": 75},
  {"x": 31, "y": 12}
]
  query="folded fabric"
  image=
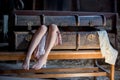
[
  {"x": 107, "y": 50},
  {"x": 41, "y": 45}
]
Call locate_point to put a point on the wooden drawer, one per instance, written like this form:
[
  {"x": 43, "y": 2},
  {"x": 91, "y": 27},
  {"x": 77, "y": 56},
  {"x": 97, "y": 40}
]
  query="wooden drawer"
[
  {"x": 27, "y": 20},
  {"x": 71, "y": 40},
  {"x": 97, "y": 20},
  {"x": 88, "y": 40},
  {"x": 60, "y": 20}
]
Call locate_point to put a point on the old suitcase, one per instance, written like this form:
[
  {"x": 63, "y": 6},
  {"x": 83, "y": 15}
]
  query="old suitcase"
[
  {"x": 72, "y": 38},
  {"x": 92, "y": 20},
  {"x": 22, "y": 40}
]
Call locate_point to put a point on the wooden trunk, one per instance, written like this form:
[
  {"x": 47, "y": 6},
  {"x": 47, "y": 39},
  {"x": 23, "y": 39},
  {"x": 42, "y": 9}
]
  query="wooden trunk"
[
  {"x": 71, "y": 20},
  {"x": 78, "y": 32},
  {"x": 71, "y": 40}
]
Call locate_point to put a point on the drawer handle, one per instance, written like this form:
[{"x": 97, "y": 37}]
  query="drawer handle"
[
  {"x": 91, "y": 37},
  {"x": 91, "y": 23},
  {"x": 28, "y": 37},
  {"x": 30, "y": 23}
]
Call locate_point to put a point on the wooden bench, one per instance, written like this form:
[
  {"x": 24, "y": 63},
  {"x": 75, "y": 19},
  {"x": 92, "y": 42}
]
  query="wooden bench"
[
  {"x": 59, "y": 55},
  {"x": 64, "y": 54}
]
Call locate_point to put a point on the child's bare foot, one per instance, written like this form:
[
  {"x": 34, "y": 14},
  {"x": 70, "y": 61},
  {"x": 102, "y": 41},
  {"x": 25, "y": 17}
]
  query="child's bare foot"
[
  {"x": 26, "y": 65},
  {"x": 40, "y": 63}
]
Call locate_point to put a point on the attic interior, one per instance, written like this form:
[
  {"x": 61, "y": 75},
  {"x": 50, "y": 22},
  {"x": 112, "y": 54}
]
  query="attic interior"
[
  {"x": 13, "y": 32},
  {"x": 8, "y": 6}
]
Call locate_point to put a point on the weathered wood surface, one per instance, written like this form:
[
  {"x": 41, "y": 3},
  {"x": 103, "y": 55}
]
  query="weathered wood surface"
[
  {"x": 84, "y": 40},
  {"x": 69, "y": 20},
  {"x": 67, "y": 54}
]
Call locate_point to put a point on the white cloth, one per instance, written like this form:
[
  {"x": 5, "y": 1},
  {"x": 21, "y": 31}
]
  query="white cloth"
[
  {"x": 41, "y": 48},
  {"x": 107, "y": 50},
  {"x": 41, "y": 45}
]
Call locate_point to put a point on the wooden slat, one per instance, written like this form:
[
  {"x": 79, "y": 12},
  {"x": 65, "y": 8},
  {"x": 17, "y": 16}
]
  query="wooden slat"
[
  {"x": 46, "y": 70},
  {"x": 82, "y": 54},
  {"x": 112, "y": 72},
  {"x": 65, "y": 75}
]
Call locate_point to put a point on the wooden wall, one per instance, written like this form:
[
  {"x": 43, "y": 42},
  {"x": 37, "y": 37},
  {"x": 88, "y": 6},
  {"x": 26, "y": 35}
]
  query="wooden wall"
[
  {"x": 60, "y": 5},
  {"x": 73, "y": 5}
]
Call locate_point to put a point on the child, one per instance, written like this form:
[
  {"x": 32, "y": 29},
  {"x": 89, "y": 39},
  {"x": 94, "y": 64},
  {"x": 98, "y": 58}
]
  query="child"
[{"x": 43, "y": 36}]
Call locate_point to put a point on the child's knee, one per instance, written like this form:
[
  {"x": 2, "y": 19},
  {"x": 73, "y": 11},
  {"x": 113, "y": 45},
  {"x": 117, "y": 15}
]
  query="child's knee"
[
  {"x": 43, "y": 28},
  {"x": 53, "y": 27}
]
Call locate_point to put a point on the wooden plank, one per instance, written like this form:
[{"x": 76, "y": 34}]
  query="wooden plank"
[
  {"x": 82, "y": 54},
  {"x": 35, "y": 12},
  {"x": 47, "y": 70},
  {"x": 64, "y": 75}
]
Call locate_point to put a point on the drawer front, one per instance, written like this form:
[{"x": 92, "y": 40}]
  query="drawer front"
[
  {"x": 88, "y": 40},
  {"x": 60, "y": 20},
  {"x": 22, "y": 40},
  {"x": 68, "y": 41},
  {"x": 92, "y": 20},
  {"x": 71, "y": 40},
  {"x": 25, "y": 20}
]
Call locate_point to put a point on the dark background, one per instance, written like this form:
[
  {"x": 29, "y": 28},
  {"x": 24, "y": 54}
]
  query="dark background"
[{"x": 8, "y": 6}]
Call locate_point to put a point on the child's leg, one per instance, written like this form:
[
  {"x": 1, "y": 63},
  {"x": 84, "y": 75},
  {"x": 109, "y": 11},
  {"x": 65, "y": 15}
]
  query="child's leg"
[
  {"x": 34, "y": 43},
  {"x": 50, "y": 41},
  {"x": 40, "y": 49}
]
